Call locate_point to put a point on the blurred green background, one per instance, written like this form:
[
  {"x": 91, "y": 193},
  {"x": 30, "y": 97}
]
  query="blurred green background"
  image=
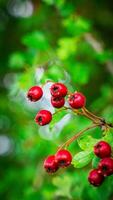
[{"x": 59, "y": 40}]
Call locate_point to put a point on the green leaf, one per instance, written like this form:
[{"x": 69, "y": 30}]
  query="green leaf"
[
  {"x": 86, "y": 142},
  {"x": 95, "y": 162},
  {"x": 49, "y": 2},
  {"x": 36, "y": 40},
  {"x": 17, "y": 60},
  {"x": 67, "y": 47},
  {"x": 54, "y": 73},
  {"x": 108, "y": 137},
  {"x": 82, "y": 159},
  {"x": 76, "y": 25},
  {"x": 80, "y": 73}
]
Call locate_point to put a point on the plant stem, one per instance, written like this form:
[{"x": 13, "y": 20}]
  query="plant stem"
[
  {"x": 68, "y": 142},
  {"x": 91, "y": 114},
  {"x": 68, "y": 108},
  {"x": 60, "y": 110}
]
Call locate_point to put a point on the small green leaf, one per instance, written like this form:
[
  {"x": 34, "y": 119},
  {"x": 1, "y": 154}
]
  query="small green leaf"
[
  {"x": 67, "y": 47},
  {"x": 17, "y": 60},
  {"x": 36, "y": 40},
  {"x": 87, "y": 142},
  {"x": 95, "y": 162},
  {"x": 82, "y": 159},
  {"x": 76, "y": 25},
  {"x": 108, "y": 137}
]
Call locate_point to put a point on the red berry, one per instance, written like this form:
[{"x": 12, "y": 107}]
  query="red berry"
[
  {"x": 50, "y": 165},
  {"x": 77, "y": 100},
  {"x": 43, "y": 117},
  {"x": 105, "y": 166},
  {"x": 95, "y": 178},
  {"x": 57, "y": 102},
  {"x": 58, "y": 90},
  {"x": 102, "y": 149},
  {"x": 63, "y": 158},
  {"x": 35, "y": 93}
]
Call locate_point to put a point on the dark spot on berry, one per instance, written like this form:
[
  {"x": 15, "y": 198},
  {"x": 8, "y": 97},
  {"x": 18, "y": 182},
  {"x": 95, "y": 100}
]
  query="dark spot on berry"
[
  {"x": 62, "y": 162},
  {"x": 104, "y": 168},
  {"x": 98, "y": 146},
  {"x": 49, "y": 169},
  {"x": 30, "y": 97},
  {"x": 55, "y": 88},
  {"x": 56, "y": 99},
  {"x": 39, "y": 119},
  {"x": 72, "y": 98}
]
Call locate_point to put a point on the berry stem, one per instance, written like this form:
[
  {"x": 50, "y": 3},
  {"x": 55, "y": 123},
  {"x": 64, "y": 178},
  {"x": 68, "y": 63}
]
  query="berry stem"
[
  {"x": 68, "y": 142},
  {"x": 60, "y": 110},
  {"x": 91, "y": 114},
  {"x": 68, "y": 108}
]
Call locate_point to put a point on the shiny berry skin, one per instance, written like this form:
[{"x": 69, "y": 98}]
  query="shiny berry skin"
[
  {"x": 43, "y": 117},
  {"x": 57, "y": 102},
  {"x": 50, "y": 165},
  {"x": 95, "y": 178},
  {"x": 63, "y": 158},
  {"x": 58, "y": 90},
  {"x": 102, "y": 149},
  {"x": 77, "y": 100},
  {"x": 35, "y": 93},
  {"x": 105, "y": 166}
]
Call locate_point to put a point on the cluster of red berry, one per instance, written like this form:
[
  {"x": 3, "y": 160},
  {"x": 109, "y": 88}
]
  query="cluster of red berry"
[
  {"x": 58, "y": 92},
  {"x": 63, "y": 157},
  {"x": 105, "y": 167}
]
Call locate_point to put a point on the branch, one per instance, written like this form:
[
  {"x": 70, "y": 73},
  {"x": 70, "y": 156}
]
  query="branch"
[{"x": 68, "y": 142}]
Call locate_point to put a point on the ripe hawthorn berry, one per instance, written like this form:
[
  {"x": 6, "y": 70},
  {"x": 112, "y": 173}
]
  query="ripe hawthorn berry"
[
  {"x": 35, "y": 93},
  {"x": 105, "y": 166},
  {"x": 95, "y": 178},
  {"x": 50, "y": 165},
  {"x": 102, "y": 149},
  {"x": 57, "y": 102},
  {"x": 58, "y": 90},
  {"x": 43, "y": 117},
  {"x": 77, "y": 100},
  {"x": 63, "y": 158}
]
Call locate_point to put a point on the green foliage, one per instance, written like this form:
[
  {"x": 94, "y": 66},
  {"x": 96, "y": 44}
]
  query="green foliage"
[
  {"x": 95, "y": 162},
  {"x": 63, "y": 185},
  {"x": 35, "y": 40},
  {"x": 76, "y": 25},
  {"x": 17, "y": 60},
  {"x": 82, "y": 159},
  {"x": 109, "y": 137},
  {"x": 87, "y": 142},
  {"x": 67, "y": 41}
]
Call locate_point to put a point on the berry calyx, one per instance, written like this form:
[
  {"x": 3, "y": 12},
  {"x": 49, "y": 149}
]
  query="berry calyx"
[
  {"x": 50, "y": 165},
  {"x": 77, "y": 100},
  {"x": 58, "y": 90},
  {"x": 63, "y": 158},
  {"x": 95, "y": 178},
  {"x": 102, "y": 149},
  {"x": 105, "y": 166},
  {"x": 43, "y": 117},
  {"x": 35, "y": 93},
  {"x": 57, "y": 102}
]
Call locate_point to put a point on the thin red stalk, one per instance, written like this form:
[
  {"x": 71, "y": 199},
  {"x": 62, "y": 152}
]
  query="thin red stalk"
[{"x": 68, "y": 142}]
